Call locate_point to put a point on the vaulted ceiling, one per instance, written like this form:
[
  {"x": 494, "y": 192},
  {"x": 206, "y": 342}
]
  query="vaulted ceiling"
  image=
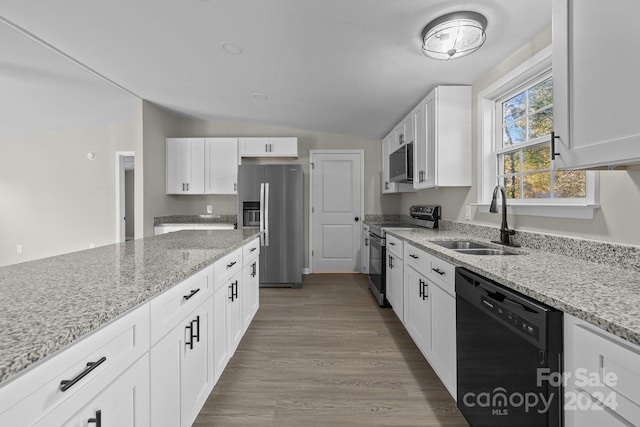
[{"x": 342, "y": 66}]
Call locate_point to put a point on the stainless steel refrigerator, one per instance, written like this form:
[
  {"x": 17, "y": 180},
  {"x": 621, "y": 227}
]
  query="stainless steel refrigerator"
[{"x": 270, "y": 198}]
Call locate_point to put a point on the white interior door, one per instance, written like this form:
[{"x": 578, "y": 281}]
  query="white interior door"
[{"x": 336, "y": 211}]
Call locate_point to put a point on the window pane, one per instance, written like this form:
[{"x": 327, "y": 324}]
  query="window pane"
[
  {"x": 541, "y": 95},
  {"x": 510, "y": 163},
  {"x": 538, "y": 157},
  {"x": 513, "y": 108},
  {"x": 512, "y": 185},
  {"x": 514, "y": 132},
  {"x": 570, "y": 184},
  {"x": 541, "y": 123},
  {"x": 537, "y": 185}
]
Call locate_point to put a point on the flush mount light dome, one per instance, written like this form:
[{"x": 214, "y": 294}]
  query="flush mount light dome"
[{"x": 454, "y": 35}]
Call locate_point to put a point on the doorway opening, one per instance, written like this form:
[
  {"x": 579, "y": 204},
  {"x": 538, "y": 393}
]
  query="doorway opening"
[{"x": 125, "y": 213}]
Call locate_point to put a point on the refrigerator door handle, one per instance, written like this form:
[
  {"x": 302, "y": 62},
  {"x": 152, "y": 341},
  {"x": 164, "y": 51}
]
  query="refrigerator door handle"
[
  {"x": 262, "y": 213},
  {"x": 266, "y": 215}
]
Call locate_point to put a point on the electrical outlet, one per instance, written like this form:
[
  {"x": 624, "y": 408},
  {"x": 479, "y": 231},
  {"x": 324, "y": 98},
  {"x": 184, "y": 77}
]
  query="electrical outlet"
[
  {"x": 467, "y": 213},
  {"x": 19, "y": 249},
  {"x": 209, "y": 209},
  {"x": 92, "y": 245}
]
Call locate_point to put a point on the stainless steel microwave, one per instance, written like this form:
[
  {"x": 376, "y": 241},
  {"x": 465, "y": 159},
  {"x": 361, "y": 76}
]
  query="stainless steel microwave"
[{"x": 401, "y": 164}]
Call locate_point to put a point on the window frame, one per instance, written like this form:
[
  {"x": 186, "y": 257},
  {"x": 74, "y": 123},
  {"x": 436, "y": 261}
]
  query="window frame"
[{"x": 489, "y": 124}]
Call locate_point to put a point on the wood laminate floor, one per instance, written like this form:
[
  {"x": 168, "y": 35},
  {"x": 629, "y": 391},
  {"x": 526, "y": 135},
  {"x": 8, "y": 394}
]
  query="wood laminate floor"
[{"x": 327, "y": 355}]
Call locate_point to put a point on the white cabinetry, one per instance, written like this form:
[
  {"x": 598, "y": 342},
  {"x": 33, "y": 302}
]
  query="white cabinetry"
[
  {"x": 221, "y": 166},
  {"x": 64, "y": 384},
  {"x": 185, "y": 165},
  {"x": 269, "y": 147},
  {"x": 442, "y": 146},
  {"x": 202, "y": 165},
  {"x": 395, "y": 275},
  {"x": 182, "y": 369},
  {"x": 430, "y": 311},
  {"x": 250, "y": 282},
  {"x": 604, "y": 382},
  {"x": 595, "y": 102}
]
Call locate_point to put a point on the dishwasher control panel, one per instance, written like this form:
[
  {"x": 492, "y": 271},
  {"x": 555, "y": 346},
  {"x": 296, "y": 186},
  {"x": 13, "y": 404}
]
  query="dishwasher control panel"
[{"x": 511, "y": 318}]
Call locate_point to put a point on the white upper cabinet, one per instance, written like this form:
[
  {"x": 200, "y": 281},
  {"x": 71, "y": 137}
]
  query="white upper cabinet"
[
  {"x": 202, "y": 165},
  {"x": 221, "y": 166},
  {"x": 269, "y": 147},
  {"x": 185, "y": 165},
  {"x": 442, "y": 143},
  {"x": 595, "y": 83}
]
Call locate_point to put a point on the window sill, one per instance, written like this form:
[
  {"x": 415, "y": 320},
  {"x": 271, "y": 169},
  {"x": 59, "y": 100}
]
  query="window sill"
[{"x": 584, "y": 211}]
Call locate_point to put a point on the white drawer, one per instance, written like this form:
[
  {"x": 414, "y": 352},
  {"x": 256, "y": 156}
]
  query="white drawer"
[
  {"x": 417, "y": 258},
  {"x": 226, "y": 267},
  {"x": 250, "y": 251},
  {"x": 394, "y": 245},
  {"x": 39, "y": 390},
  {"x": 443, "y": 274},
  {"x": 170, "y": 307}
]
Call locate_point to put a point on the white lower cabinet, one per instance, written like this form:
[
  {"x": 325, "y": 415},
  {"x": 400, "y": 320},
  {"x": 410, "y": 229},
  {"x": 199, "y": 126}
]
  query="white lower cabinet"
[
  {"x": 395, "y": 284},
  {"x": 603, "y": 372},
  {"x": 234, "y": 312},
  {"x": 417, "y": 309},
  {"x": 221, "y": 354},
  {"x": 250, "y": 291},
  {"x": 182, "y": 371},
  {"x": 430, "y": 311},
  {"x": 122, "y": 403}
]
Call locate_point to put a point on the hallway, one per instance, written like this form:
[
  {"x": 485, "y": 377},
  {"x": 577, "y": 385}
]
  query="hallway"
[{"x": 327, "y": 355}]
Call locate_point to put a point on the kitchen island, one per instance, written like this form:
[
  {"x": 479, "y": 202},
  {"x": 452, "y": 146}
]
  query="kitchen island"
[{"x": 49, "y": 303}]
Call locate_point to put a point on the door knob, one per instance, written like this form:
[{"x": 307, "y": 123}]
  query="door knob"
[{"x": 357, "y": 219}]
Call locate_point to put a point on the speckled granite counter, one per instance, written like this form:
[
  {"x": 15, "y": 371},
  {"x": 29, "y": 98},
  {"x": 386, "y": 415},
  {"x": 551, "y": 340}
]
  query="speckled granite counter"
[
  {"x": 603, "y": 295},
  {"x": 49, "y": 303},
  {"x": 195, "y": 219}
]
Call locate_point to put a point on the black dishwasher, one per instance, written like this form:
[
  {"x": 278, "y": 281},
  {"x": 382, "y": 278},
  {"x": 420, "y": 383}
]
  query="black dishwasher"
[{"x": 509, "y": 355}]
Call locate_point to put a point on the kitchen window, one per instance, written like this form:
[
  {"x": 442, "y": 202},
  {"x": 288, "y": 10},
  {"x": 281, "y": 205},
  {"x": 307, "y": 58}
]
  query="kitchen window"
[{"x": 516, "y": 120}]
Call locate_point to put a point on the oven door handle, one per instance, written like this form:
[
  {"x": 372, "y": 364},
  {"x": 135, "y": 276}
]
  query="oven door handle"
[{"x": 376, "y": 239}]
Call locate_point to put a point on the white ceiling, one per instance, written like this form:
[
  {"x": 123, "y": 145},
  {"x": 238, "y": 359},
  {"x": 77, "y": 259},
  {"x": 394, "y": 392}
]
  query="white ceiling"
[{"x": 342, "y": 66}]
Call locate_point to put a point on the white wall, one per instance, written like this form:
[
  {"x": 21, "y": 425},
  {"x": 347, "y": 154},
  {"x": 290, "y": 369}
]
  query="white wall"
[
  {"x": 53, "y": 199},
  {"x": 160, "y": 123},
  {"x": 616, "y": 221}
]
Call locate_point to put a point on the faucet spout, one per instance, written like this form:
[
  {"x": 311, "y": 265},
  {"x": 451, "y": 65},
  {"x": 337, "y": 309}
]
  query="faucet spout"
[{"x": 505, "y": 232}]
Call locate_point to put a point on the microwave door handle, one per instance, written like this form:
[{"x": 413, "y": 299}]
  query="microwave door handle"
[
  {"x": 262, "y": 214},
  {"x": 266, "y": 213}
]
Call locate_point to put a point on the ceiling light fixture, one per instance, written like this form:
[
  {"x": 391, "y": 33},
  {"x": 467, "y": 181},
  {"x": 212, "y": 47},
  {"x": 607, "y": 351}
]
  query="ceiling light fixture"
[
  {"x": 259, "y": 96},
  {"x": 231, "y": 48},
  {"x": 454, "y": 35}
]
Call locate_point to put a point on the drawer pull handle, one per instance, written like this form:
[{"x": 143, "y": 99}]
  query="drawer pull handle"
[
  {"x": 392, "y": 244},
  {"x": 67, "y": 384},
  {"x": 193, "y": 292},
  {"x": 440, "y": 272},
  {"x": 197, "y": 335},
  {"x": 97, "y": 419},
  {"x": 252, "y": 249},
  {"x": 231, "y": 264},
  {"x": 253, "y": 270},
  {"x": 413, "y": 256},
  {"x": 190, "y": 335},
  {"x": 235, "y": 293}
]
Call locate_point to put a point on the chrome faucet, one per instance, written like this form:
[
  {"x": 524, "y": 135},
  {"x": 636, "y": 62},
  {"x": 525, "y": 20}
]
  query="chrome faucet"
[{"x": 505, "y": 233}]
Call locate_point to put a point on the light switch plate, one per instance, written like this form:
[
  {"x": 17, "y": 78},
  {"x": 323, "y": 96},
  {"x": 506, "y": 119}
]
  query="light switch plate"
[
  {"x": 209, "y": 209},
  {"x": 467, "y": 213}
]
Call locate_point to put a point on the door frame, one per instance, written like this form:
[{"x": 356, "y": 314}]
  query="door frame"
[
  {"x": 312, "y": 154},
  {"x": 120, "y": 191}
]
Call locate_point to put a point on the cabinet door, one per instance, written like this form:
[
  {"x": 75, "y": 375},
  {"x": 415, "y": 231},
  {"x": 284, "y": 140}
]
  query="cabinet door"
[
  {"x": 165, "y": 362},
  {"x": 253, "y": 147},
  {"x": 185, "y": 166},
  {"x": 429, "y": 153},
  {"x": 387, "y": 185},
  {"x": 197, "y": 362},
  {"x": 443, "y": 336},
  {"x": 250, "y": 292},
  {"x": 409, "y": 129},
  {"x": 365, "y": 251},
  {"x": 234, "y": 312},
  {"x": 595, "y": 100},
  {"x": 123, "y": 403},
  {"x": 395, "y": 285},
  {"x": 220, "y": 330},
  {"x": 417, "y": 310},
  {"x": 419, "y": 146},
  {"x": 283, "y": 147},
  {"x": 221, "y": 165}
]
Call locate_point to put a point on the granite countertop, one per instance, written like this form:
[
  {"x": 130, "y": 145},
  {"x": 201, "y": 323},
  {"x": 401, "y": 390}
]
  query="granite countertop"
[
  {"x": 48, "y": 303},
  {"x": 606, "y": 296},
  {"x": 208, "y": 219}
]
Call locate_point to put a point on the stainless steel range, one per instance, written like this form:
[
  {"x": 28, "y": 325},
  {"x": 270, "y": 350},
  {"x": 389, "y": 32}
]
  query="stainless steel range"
[{"x": 421, "y": 216}]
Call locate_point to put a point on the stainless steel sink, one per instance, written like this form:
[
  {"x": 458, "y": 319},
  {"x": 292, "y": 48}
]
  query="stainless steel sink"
[
  {"x": 460, "y": 244},
  {"x": 485, "y": 251}
]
